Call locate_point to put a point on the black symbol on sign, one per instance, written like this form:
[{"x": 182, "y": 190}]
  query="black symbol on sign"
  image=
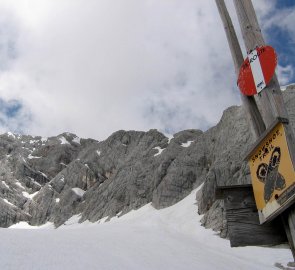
[
  {"x": 261, "y": 84},
  {"x": 270, "y": 176}
]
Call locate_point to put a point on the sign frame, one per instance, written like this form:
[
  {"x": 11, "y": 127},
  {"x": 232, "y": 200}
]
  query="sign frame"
[{"x": 274, "y": 189}]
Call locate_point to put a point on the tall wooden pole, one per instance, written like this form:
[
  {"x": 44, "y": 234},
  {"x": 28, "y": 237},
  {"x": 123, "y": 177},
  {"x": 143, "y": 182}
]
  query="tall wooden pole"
[
  {"x": 272, "y": 104},
  {"x": 271, "y": 99},
  {"x": 249, "y": 103}
]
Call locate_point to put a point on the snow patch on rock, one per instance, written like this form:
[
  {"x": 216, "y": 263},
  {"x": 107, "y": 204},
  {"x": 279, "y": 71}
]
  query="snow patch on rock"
[
  {"x": 63, "y": 140},
  {"x": 80, "y": 192},
  {"x": 4, "y": 183},
  {"x": 44, "y": 139},
  {"x": 10, "y": 134},
  {"x": 77, "y": 140},
  {"x": 187, "y": 144},
  {"x": 29, "y": 196},
  {"x": 20, "y": 185},
  {"x": 160, "y": 150},
  {"x": 32, "y": 157},
  {"x": 43, "y": 174},
  {"x": 6, "y": 201}
]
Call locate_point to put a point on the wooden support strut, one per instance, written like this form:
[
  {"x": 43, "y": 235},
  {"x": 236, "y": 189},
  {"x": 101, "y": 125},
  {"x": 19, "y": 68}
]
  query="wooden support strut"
[
  {"x": 253, "y": 115},
  {"x": 270, "y": 99}
]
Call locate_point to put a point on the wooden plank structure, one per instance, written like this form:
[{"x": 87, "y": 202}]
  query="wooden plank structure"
[
  {"x": 242, "y": 218},
  {"x": 271, "y": 100},
  {"x": 241, "y": 211}
]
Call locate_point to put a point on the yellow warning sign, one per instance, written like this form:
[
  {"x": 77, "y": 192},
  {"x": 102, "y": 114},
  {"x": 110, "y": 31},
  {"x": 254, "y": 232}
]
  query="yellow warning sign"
[{"x": 272, "y": 173}]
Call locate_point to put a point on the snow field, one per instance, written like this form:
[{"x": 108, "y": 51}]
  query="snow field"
[{"x": 171, "y": 238}]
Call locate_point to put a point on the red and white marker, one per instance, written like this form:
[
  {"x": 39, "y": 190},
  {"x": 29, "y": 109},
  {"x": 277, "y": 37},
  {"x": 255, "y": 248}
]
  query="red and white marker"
[{"x": 257, "y": 70}]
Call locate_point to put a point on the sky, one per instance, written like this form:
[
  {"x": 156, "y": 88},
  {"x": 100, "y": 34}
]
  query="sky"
[{"x": 95, "y": 67}]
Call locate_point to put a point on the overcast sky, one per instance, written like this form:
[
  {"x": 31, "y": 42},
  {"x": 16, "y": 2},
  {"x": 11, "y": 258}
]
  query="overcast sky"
[{"x": 92, "y": 67}]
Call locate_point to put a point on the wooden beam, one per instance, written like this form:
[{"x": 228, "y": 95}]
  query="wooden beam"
[
  {"x": 242, "y": 218},
  {"x": 221, "y": 190},
  {"x": 253, "y": 115},
  {"x": 284, "y": 218},
  {"x": 271, "y": 99}
]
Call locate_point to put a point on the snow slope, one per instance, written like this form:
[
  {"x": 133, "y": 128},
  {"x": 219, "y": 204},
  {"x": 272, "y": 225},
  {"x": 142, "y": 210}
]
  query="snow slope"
[{"x": 171, "y": 238}]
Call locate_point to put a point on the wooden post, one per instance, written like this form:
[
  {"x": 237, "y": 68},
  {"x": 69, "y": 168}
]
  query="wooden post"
[
  {"x": 284, "y": 218},
  {"x": 253, "y": 115},
  {"x": 291, "y": 229},
  {"x": 272, "y": 104},
  {"x": 271, "y": 99}
]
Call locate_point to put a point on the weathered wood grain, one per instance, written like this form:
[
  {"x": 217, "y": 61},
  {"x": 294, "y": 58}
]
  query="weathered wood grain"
[
  {"x": 243, "y": 234},
  {"x": 271, "y": 99},
  {"x": 284, "y": 218},
  {"x": 243, "y": 221},
  {"x": 253, "y": 115}
]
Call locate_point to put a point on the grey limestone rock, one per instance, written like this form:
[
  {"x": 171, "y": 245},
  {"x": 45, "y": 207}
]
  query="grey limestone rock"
[
  {"x": 52, "y": 179},
  {"x": 27, "y": 165},
  {"x": 231, "y": 140}
]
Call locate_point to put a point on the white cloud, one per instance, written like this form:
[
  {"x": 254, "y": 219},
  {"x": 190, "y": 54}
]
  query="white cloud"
[
  {"x": 94, "y": 68},
  {"x": 285, "y": 74},
  {"x": 283, "y": 19}
]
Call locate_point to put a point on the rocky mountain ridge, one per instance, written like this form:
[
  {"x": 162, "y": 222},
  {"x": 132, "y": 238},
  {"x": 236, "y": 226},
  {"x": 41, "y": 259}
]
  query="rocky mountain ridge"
[{"x": 52, "y": 179}]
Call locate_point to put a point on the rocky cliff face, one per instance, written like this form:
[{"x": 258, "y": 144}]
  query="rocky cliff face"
[
  {"x": 51, "y": 179},
  {"x": 234, "y": 141}
]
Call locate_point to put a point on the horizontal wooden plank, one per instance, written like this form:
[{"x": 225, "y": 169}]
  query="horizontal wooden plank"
[
  {"x": 247, "y": 216},
  {"x": 243, "y": 234},
  {"x": 239, "y": 198},
  {"x": 243, "y": 222},
  {"x": 220, "y": 191}
]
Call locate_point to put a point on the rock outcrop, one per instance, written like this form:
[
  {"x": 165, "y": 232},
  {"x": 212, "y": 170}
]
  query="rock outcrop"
[{"x": 52, "y": 179}]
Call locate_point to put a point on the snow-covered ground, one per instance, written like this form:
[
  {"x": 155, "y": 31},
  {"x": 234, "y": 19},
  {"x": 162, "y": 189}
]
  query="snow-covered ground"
[{"x": 171, "y": 238}]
